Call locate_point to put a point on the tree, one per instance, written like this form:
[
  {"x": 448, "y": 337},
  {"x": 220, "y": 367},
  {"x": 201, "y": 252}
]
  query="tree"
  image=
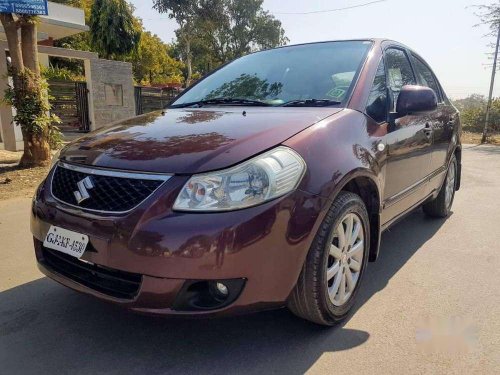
[
  {"x": 79, "y": 41},
  {"x": 203, "y": 58},
  {"x": 243, "y": 27},
  {"x": 473, "y": 112},
  {"x": 114, "y": 31},
  {"x": 186, "y": 13},
  {"x": 470, "y": 102},
  {"x": 490, "y": 15},
  {"x": 152, "y": 64},
  {"x": 212, "y": 32},
  {"x": 152, "y": 60},
  {"x": 29, "y": 92}
]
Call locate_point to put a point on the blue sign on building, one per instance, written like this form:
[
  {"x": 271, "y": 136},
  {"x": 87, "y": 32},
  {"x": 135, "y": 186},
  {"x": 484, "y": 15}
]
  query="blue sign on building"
[{"x": 34, "y": 7}]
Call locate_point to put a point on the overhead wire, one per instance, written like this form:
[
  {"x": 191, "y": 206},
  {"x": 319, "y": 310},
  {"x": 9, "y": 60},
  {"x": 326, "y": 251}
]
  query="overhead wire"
[{"x": 332, "y": 10}]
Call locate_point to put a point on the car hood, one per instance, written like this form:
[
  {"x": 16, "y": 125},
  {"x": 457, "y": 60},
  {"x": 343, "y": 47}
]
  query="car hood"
[{"x": 187, "y": 141}]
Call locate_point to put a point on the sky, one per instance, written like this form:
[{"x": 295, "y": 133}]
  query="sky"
[{"x": 443, "y": 32}]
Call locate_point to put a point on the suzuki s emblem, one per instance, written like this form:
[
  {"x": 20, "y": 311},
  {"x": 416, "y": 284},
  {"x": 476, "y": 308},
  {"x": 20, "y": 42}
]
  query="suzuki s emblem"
[{"x": 84, "y": 186}]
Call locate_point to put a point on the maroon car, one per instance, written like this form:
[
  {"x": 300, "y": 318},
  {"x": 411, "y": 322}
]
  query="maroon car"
[{"x": 266, "y": 184}]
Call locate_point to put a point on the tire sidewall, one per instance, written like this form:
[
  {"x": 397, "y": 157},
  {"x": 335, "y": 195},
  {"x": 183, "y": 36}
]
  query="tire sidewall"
[
  {"x": 357, "y": 207},
  {"x": 453, "y": 162}
]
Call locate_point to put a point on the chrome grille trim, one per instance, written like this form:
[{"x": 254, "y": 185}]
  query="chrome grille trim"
[
  {"x": 115, "y": 172},
  {"x": 98, "y": 171}
]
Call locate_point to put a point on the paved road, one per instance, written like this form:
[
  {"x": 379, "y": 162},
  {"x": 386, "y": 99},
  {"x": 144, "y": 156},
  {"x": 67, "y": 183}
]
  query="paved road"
[{"x": 431, "y": 304}]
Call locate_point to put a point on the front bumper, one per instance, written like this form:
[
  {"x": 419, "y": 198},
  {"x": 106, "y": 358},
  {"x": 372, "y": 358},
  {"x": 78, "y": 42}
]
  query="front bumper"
[{"x": 265, "y": 245}]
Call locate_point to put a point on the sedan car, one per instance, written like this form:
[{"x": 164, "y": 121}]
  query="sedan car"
[{"x": 266, "y": 184}]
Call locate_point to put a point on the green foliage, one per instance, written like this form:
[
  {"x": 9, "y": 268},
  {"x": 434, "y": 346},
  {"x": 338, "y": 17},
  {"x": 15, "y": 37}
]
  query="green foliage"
[
  {"x": 152, "y": 59},
  {"x": 75, "y": 66},
  {"x": 114, "y": 31},
  {"x": 213, "y": 32},
  {"x": 246, "y": 27},
  {"x": 473, "y": 113},
  {"x": 152, "y": 64},
  {"x": 79, "y": 41},
  {"x": 203, "y": 58},
  {"x": 210, "y": 33},
  {"x": 183, "y": 11},
  {"x": 52, "y": 73},
  {"x": 472, "y": 101},
  {"x": 30, "y": 98}
]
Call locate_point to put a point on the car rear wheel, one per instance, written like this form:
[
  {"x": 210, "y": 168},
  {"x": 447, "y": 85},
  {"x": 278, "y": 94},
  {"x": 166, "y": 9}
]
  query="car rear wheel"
[
  {"x": 332, "y": 272},
  {"x": 441, "y": 206}
]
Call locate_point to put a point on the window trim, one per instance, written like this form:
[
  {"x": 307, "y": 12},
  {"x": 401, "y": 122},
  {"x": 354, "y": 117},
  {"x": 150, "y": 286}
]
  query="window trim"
[
  {"x": 422, "y": 61},
  {"x": 387, "y": 102}
]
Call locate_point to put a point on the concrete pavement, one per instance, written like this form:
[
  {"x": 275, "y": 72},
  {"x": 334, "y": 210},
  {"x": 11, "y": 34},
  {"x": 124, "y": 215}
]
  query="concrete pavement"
[{"x": 430, "y": 305}]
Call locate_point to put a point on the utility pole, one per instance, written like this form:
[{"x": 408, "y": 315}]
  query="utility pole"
[{"x": 492, "y": 84}]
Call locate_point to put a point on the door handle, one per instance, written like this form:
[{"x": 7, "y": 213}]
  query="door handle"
[{"x": 428, "y": 130}]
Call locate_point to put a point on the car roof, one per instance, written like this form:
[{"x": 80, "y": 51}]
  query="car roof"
[{"x": 376, "y": 41}]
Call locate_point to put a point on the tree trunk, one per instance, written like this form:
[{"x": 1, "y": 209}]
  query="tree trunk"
[
  {"x": 24, "y": 55},
  {"x": 29, "y": 45},
  {"x": 189, "y": 62},
  {"x": 36, "y": 145},
  {"x": 10, "y": 26},
  {"x": 36, "y": 150}
]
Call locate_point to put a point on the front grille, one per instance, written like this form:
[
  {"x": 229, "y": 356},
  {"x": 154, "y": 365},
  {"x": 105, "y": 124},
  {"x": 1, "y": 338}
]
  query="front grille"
[
  {"x": 109, "y": 191},
  {"x": 114, "y": 283}
]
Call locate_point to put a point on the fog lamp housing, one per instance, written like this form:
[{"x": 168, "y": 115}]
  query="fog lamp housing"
[{"x": 206, "y": 295}]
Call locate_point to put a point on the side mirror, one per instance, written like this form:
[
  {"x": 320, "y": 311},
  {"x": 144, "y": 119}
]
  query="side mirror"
[{"x": 413, "y": 99}]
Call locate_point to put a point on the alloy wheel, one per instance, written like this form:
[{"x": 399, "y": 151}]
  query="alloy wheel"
[
  {"x": 450, "y": 184},
  {"x": 345, "y": 259}
]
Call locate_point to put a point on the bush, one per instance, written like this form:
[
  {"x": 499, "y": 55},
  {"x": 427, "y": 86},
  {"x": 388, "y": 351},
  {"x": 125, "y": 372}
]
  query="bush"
[
  {"x": 60, "y": 74},
  {"x": 473, "y": 113}
]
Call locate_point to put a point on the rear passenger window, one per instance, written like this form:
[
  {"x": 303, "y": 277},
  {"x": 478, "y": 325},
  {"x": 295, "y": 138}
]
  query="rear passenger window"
[
  {"x": 376, "y": 107},
  {"x": 426, "y": 77},
  {"x": 399, "y": 72}
]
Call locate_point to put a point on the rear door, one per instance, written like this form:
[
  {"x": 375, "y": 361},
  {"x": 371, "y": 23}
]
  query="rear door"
[{"x": 408, "y": 142}]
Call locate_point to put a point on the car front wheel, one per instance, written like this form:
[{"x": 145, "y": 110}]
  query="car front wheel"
[{"x": 328, "y": 283}]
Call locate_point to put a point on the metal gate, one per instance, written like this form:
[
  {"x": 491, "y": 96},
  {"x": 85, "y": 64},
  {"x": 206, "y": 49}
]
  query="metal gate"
[
  {"x": 70, "y": 103},
  {"x": 148, "y": 99}
]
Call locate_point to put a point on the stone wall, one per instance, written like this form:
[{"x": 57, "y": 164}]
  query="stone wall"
[{"x": 111, "y": 91}]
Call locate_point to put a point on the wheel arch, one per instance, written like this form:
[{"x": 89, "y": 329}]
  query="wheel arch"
[{"x": 364, "y": 184}]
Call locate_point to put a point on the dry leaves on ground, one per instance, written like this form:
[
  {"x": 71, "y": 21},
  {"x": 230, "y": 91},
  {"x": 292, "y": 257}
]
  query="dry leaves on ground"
[{"x": 18, "y": 182}]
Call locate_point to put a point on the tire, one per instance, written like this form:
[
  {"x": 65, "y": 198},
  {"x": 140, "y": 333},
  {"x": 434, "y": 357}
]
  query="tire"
[
  {"x": 310, "y": 298},
  {"x": 440, "y": 207}
]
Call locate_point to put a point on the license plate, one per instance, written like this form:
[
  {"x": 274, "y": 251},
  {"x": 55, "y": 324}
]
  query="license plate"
[{"x": 66, "y": 241}]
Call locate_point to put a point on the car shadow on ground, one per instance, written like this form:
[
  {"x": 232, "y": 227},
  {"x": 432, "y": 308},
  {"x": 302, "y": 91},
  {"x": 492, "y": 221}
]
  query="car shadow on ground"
[{"x": 46, "y": 328}]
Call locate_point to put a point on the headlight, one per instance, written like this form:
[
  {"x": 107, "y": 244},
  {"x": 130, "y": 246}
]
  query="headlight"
[
  {"x": 55, "y": 158},
  {"x": 265, "y": 177}
]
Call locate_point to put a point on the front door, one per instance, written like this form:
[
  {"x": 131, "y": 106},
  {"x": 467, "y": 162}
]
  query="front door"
[
  {"x": 408, "y": 143},
  {"x": 443, "y": 118}
]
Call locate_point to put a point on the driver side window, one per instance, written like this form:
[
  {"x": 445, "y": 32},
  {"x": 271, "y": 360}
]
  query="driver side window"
[{"x": 399, "y": 72}]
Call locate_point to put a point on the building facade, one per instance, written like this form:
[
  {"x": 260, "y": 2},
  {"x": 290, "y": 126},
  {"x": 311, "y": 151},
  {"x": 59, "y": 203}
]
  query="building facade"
[{"x": 109, "y": 84}]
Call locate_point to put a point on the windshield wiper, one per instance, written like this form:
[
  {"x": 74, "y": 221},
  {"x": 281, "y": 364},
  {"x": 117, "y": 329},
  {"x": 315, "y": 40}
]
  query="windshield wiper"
[
  {"x": 229, "y": 101},
  {"x": 310, "y": 103}
]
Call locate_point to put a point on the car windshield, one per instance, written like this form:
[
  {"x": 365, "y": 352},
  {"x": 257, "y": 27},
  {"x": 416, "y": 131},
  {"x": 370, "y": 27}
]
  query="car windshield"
[{"x": 306, "y": 75}]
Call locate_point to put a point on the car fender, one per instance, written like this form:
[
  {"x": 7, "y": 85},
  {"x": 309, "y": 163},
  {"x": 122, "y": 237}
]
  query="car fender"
[{"x": 337, "y": 151}]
